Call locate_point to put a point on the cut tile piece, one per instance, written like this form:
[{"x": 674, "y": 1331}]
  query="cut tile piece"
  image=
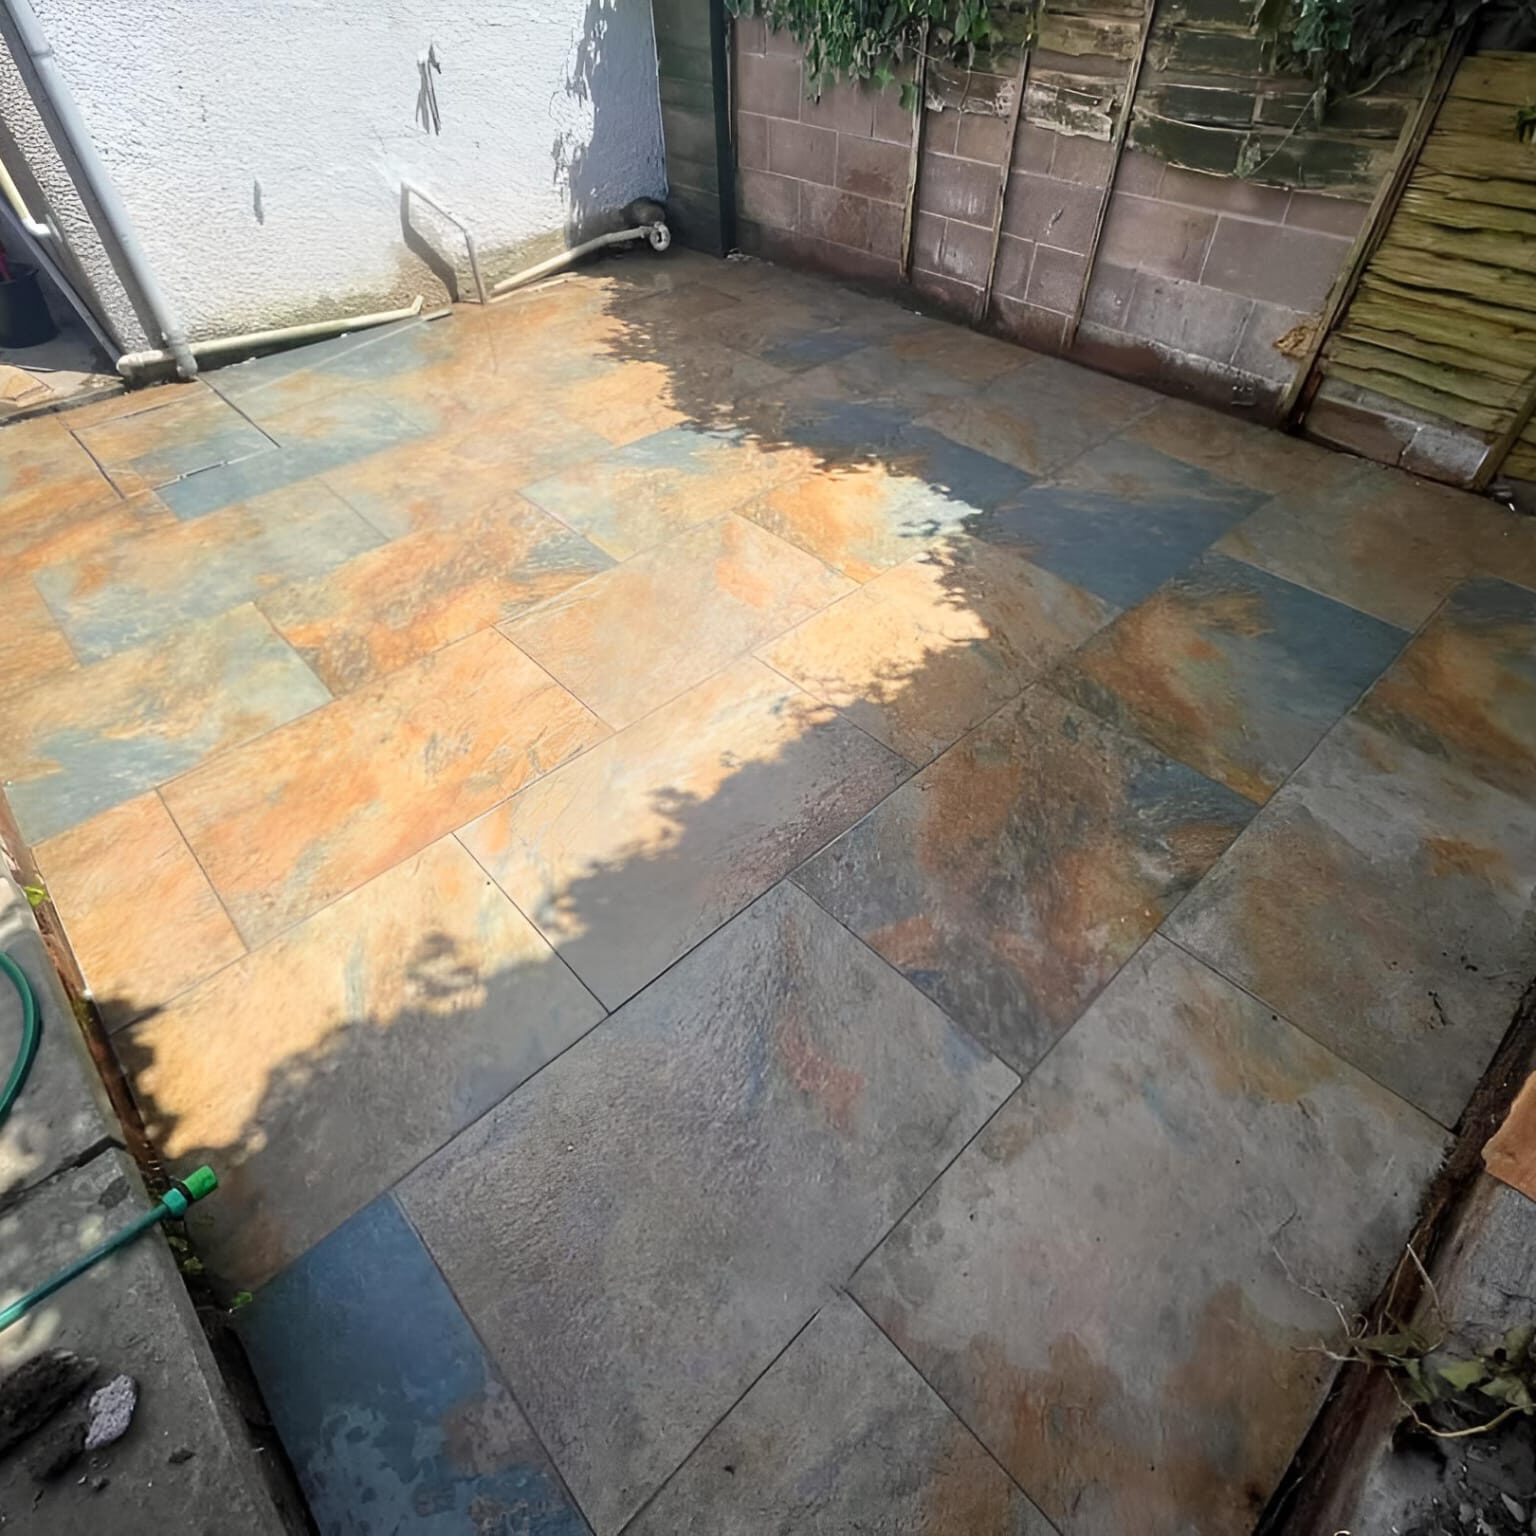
[
  {"x": 1121, "y": 547},
  {"x": 1380, "y": 541},
  {"x": 319, "y": 1069},
  {"x": 649, "y": 629},
  {"x": 32, "y": 646},
  {"x": 642, "y": 494},
  {"x": 1510, "y": 1153},
  {"x": 629, "y": 1311},
  {"x": 390, "y": 1412},
  {"x": 82, "y": 741},
  {"x": 179, "y": 432},
  {"x": 924, "y": 651},
  {"x": 865, "y": 517},
  {"x": 140, "y": 915},
  {"x": 122, "y": 595},
  {"x": 393, "y": 605},
  {"x": 294, "y": 820},
  {"x": 1043, "y": 416},
  {"x": 1014, "y": 876},
  {"x": 1231, "y": 670},
  {"x": 1116, "y": 1285},
  {"x": 1382, "y": 902},
  {"x": 631, "y": 855},
  {"x": 1465, "y": 689},
  {"x": 45, "y": 477},
  {"x": 840, "y": 1435}
]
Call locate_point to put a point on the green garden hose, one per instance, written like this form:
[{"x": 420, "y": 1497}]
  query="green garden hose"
[{"x": 31, "y": 1033}]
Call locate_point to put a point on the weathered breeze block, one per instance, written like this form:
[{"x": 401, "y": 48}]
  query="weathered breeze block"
[{"x": 1195, "y": 280}]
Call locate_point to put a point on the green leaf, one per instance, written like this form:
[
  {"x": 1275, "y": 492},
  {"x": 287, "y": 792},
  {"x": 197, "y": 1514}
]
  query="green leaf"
[
  {"x": 1461, "y": 1375},
  {"x": 883, "y": 75},
  {"x": 1393, "y": 1346},
  {"x": 909, "y": 96},
  {"x": 36, "y": 895},
  {"x": 1509, "y": 1389},
  {"x": 1517, "y": 1343},
  {"x": 239, "y": 1299}
]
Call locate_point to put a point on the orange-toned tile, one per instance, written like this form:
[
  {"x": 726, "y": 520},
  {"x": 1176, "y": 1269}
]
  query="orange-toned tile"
[
  {"x": 418, "y": 593},
  {"x": 927, "y": 650},
  {"x": 174, "y": 436},
  {"x": 46, "y": 478},
  {"x": 645, "y": 631},
  {"x": 1510, "y": 1153},
  {"x": 32, "y": 646},
  {"x": 66, "y": 531},
  {"x": 317, "y": 1070},
  {"x": 630, "y": 855},
  {"x": 140, "y": 915},
  {"x": 305, "y": 814}
]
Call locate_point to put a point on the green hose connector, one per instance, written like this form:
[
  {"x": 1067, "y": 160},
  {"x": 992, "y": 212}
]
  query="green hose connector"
[
  {"x": 31, "y": 1033},
  {"x": 172, "y": 1204}
]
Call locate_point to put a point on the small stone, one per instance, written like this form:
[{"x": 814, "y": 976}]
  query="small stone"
[
  {"x": 111, "y": 1412},
  {"x": 180, "y": 1454}
]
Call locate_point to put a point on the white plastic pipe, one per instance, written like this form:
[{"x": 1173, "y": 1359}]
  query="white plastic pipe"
[
  {"x": 658, "y": 234},
  {"x": 58, "y": 100},
  {"x": 131, "y": 362},
  {"x": 34, "y": 227}
]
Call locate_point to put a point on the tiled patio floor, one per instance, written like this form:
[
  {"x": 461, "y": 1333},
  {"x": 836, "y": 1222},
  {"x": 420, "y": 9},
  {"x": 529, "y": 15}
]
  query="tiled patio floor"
[{"x": 778, "y": 917}]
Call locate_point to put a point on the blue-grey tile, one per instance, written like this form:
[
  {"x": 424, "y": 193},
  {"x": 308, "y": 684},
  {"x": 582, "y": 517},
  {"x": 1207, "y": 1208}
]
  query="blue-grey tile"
[{"x": 387, "y": 1406}]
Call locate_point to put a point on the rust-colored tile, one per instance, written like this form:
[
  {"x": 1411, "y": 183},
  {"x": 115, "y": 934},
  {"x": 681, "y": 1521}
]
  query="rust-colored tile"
[
  {"x": 316, "y": 1071},
  {"x": 308, "y": 813},
  {"x": 1510, "y": 1153},
  {"x": 140, "y": 915},
  {"x": 930, "y": 648},
  {"x": 46, "y": 479},
  {"x": 32, "y": 646},
  {"x": 645, "y": 631},
  {"x": 172, "y": 437},
  {"x": 416, "y": 594},
  {"x": 74, "y": 531}
]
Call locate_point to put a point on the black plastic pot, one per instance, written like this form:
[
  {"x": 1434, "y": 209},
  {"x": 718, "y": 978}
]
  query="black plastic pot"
[{"x": 24, "y": 317}]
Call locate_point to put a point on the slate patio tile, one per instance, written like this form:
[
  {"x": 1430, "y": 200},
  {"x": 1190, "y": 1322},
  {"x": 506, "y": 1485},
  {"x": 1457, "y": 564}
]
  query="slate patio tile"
[
  {"x": 1465, "y": 689},
  {"x": 840, "y": 1434},
  {"x": 1231, "y": 670},
  {"x": 142, "y": 919},
  {"x": 634, "y": 497},
  {"x": 791, "y": 334},
  {"x": 51, "y": 531},
  {"x": 79, "y": 742},
  {"x": 135, "y": 589},
  {"x": 319, "y": 1069},
  {"x": 390, "y": 1427},
  {"x": 975, "y": 359},
  {"x": 1043, "y": 416},
  {"x": 1379, "y": 541},
  {"x": 1115, "y": 1284},
  {"x": 864, "y": 517},
  {"x": 1121, "y": 547},
  {"x": 929, "y": 648},
  {"x": 32, "y": 646},
  {"x": 1381, "y": 901},
  {"x": 649, "y": 629},
  {"x": 164, "y": 441},
  {"x": 45, "y": 477},
  {"x": 393, "y": 605},
  {"x": 629, "y": 1305},
  {"x": 1014, "y": 875},
  {"x": 1124, "y": 467},
  {"x": 630, "y": 855},
  {"x": 297, "y": 818}
]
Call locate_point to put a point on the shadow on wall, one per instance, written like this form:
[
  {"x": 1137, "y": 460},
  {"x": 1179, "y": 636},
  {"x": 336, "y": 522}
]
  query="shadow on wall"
[{"x": 619, "y": 159}]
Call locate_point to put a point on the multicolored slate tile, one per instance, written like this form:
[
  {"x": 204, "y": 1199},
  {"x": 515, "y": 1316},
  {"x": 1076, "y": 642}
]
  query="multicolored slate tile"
[
  {"x": 391, "y": 606},
  {"x": 640, "y": 495},
  {"x": 177, "y": 432},
  {"x": 1014, "y": 876},
  {"x": 1465, "y": 689},
  {"x": 627, "y": 1317},
  {"x": 82, "y": 741},
  {"x": 865, "y": 517},
  {"x": 840, "y": 1434},
  {"x": 926, "y": 650},
  {"x": 393, "y": 1427},
  {"x": 1382, "y": 902},
  {"x": 307, "y": 813},
  {"x": 1119, "y": 1286},
  {"x": 132, "y": 590},
  {"x": 1121, "y": 547},
  {"x": 142, "y": 919},
  {"x": 32, "y": 646},
  {"x": 322, "y": 1067},
  {"x": 1380, "y": 541},
  {"x": 1137, "y": 472},
  {"x": 45, "y": 477},
  {"x": 1231, "y": 670},
  {"x": 630, "y": 855},
  {"x": 648, "y": 629}
]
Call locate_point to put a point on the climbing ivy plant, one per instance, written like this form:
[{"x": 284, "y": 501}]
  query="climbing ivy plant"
[{"x": 874, "y": 39}]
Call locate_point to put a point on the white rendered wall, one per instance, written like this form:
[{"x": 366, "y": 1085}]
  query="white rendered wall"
[{"x": 260, "y": 144}]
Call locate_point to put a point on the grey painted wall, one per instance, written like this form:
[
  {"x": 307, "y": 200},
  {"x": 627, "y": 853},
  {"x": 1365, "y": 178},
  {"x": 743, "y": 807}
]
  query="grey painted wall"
[{"x": 260, "y": 145}]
